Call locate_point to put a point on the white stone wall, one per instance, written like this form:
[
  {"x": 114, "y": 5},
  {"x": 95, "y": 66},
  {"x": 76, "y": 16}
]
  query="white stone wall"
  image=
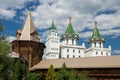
[
  {"x": 96, "y": 44},
  {"x": 71, "y": 51},
  {"x": 90, "y": 52},
  {"x": 70, "y": 41},
  {"x": 52, "y": 46}
]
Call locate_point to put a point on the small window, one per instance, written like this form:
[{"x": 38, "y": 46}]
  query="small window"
[
  {"x": 79, "y": 56},
  {"x": 67, "y": 41},
  {"x": 107, "y": 54},
  {"x": 73, "y": 50},
  {"x": 79, "y": 51},
  {"x": 67, "y": 50},
  {"x": 67, "y": 56},
  {"x": 72, "y": 41},
  {"x": 96, "y": 53},
  {"x": 73, "y": 56},
  {"x": 95, "y": 44},
  {"x": 100, "y": 44},
  {"x": 101, "y": 53}
]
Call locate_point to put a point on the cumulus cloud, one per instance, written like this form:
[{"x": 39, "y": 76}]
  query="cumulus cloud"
[
  {"x": 7, "y": 13},
  {"x": 8, "y": 7},
  {"x": 116, "y": 52},
  {"x": 83, "y": 13},
  {"x": 10, "y": 38}
]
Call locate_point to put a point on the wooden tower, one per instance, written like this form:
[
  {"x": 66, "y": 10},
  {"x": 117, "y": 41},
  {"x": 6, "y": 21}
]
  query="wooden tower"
[{"x": 27, "y": 43}]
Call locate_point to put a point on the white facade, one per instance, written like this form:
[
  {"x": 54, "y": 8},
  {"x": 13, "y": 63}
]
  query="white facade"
[
  {"x": 52, "y": 45},
  {"x": 92, "y": 52},
  {"x": 69, "y": 47},
  {"x": 71, "y": 51}
]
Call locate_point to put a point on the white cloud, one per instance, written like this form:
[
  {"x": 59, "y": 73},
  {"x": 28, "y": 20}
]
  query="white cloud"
[
  {"x": 7, "y": 7},
  {"x": 10, "y": 38},
  {"x": 7, "y": 13},
  {"x": 83, "y": 13},
  {"x": 116, "y": 52}
]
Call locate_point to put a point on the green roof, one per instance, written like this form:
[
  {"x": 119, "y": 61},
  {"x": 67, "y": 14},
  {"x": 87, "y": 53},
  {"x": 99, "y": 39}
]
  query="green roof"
[
  {"x": 52, "y": 26},
  {"x": 70, "y": 31},
  {"x": 96, "y": 35}
]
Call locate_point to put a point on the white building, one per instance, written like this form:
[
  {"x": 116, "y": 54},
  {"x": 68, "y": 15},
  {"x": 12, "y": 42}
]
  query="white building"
[
  {"x": 69, "y": 47},
  {"x": 52, "y": 43},
  {"x": 96, "y": 42}
]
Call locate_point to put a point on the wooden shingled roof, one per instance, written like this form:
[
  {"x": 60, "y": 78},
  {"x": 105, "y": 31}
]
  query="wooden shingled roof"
[{"x": 86, "y": 62}]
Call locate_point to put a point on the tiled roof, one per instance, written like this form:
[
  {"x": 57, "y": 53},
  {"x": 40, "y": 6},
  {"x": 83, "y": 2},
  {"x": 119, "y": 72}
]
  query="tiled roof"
[{"x": 87, "y": 62}]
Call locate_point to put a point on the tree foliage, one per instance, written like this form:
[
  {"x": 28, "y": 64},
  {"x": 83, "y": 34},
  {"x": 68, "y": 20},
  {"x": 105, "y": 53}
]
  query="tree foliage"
[
  {"x": 18, "y": 69},
  {"x": 62, "y": 74},
  {"x": 31, "y": 76},
  {"x": 50, "y": 73},
  {"x": 10, "y": 69},
  {"x": 4, "y": 58}
]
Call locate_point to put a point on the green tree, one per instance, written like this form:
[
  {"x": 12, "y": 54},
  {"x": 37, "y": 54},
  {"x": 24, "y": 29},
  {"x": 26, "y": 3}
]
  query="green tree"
[
  {"x": 72, "y": 75},
  {"x": 1, "y": 26},
  {"x": 18, "y": 69},
  {"x": 62, "y": 74},
  {"x": 31, "y": 76},
  {"x": 4, "y": 58},
  {"x": 50, "y": 73},
  {"x": 84, "y": 76},
  {"x": 40, "y": 76}
]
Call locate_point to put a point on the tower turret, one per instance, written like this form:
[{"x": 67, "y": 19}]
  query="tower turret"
[
  {"x": 52, "y": 43},
  {"x": 70, "y": 37},
  {"x": 96, "y": 40}
]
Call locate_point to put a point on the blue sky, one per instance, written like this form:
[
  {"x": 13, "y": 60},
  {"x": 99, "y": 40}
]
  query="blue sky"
[{"x": 83, "y": 13}]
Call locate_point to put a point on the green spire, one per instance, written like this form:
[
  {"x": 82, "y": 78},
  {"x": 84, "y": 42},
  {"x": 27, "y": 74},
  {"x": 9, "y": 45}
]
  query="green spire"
[
  {"x": 69, "y": 31},
  {"x": 52, "y": 26},
  {"x": 96, "y": 35}
]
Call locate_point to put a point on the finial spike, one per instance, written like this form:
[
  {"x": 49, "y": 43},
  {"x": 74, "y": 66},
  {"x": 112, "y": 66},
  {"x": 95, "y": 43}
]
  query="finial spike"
[
  {"x": 95, "y": 23},
  {"x": 70, "y": 19}
]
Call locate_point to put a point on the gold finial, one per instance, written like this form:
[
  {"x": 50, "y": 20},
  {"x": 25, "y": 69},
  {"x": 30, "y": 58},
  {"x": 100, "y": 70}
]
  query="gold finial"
[
  {"x": 95, "y": 23},
  {"x": 70, "y": 19}
]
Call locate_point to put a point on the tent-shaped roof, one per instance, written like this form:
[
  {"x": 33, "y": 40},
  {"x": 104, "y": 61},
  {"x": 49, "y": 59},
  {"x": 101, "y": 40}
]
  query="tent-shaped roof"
[
  {"x": 96, "y": 35},
  {"x": 52, "y": 28},
  {"x": 70, "y": 31},
  {"x": 27, "y": 29}
]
